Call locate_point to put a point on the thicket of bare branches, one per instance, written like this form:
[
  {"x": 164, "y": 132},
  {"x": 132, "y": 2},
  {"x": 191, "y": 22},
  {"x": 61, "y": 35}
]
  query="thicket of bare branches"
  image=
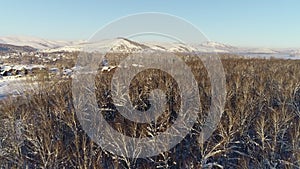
[{"x": 259, "y": 128}]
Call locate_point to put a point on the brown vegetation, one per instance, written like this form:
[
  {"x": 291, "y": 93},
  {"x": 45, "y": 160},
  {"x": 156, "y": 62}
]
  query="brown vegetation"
[{"x": 259, "y": 128}]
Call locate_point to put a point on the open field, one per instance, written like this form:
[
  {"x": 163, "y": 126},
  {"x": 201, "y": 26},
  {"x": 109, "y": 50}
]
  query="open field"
[{"x": 259, "y": 128}]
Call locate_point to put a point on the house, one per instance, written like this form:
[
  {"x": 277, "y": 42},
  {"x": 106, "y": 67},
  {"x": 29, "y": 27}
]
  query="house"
[
  {"x": 67, "y": 72},
  {"x": 54, "y": 71},
  {"x": 36, "y": 69},
  {"x": 104, "y": 62},
  {"x": 7, "y": 73},
  {"x": 20, "y": 70},
  {"x": 6, "y": 70}
]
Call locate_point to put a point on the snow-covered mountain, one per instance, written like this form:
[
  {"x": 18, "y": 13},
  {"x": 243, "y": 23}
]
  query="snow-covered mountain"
[
  {"x": 115, "y": 45},
  {"x": 125, "y": 45},
  {"x": 220, "y": 46},
  {"x": 129, "y": 46},
  {"x": 111, "y": 45},
  {"x": 224, "y": 48},
  {"x": 33, "y": 42}
]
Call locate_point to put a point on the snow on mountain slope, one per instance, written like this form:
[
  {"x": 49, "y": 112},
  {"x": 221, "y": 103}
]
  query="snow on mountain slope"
[
  {"x": 216, "y": 45},
  {"x": 170, "y": 47},
  {"x": 115, "y": 45},
  {"x": 36, "y": 43},
  {"x": 125, "y": 45},
  {"x": 181, "y": 47},
  {"x": 223, "y": 48},
  {"x": 129, "y": 46},
  {"x": 112, "y": 45}
]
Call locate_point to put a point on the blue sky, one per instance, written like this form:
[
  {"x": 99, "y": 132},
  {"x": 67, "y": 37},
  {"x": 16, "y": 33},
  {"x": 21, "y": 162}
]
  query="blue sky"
[{"x": 261, "y": 23}]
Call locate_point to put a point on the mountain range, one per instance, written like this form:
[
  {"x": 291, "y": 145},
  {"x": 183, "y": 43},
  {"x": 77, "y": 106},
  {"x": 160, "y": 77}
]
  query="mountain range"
[{"x": 22, "y": 43}]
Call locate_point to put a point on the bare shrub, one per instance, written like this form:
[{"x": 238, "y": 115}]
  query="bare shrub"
[{"x": 259, "y": 128}]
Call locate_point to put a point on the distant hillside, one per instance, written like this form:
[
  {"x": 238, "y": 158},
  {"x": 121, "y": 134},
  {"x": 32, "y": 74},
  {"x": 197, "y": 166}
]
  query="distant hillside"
[
  {"x": 37, "y": 43},
  {"x": 23, "y": 43},
  {"x": 12, "y": 48}
]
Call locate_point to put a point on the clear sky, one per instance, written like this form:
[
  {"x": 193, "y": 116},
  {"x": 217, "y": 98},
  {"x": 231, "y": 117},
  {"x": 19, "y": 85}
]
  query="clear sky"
[{"x": 261, "y": 23}]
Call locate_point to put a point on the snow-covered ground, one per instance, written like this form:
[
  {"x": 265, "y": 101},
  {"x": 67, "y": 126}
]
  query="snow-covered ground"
[{"x": 14, "y": 86}]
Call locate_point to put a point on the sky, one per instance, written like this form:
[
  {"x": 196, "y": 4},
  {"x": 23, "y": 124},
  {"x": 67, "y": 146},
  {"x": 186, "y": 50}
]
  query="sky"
[{"x": 255, "y": 23}]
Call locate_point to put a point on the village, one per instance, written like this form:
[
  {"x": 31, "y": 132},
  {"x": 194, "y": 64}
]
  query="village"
[
  {"x": 21, "y": 64},
  {"x": 32, "y": 70},
  {"x": 20, "y": 71}
]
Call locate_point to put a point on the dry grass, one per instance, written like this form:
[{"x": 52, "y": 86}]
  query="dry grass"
[{"x": 259, "y": 128}]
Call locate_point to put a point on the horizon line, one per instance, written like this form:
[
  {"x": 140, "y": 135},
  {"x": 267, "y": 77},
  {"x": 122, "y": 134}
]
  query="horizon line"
[{"x": 86, "y": 40}]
